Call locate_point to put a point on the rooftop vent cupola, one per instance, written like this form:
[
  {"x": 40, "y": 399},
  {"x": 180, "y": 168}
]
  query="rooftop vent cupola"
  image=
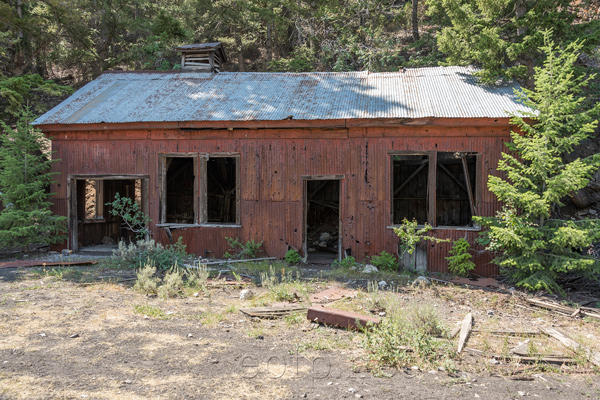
[{"x": 204, "y": 57}]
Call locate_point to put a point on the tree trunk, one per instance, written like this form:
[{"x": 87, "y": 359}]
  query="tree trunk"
[
  {"x": 415, "y": 19},
  {"x": 269, "y": 43},
  {"x": 238, "y": 44},
  {"x": 20, "y": 60}
]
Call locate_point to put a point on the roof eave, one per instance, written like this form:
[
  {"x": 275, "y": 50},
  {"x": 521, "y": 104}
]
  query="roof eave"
[{"x": 270, "y": 124}]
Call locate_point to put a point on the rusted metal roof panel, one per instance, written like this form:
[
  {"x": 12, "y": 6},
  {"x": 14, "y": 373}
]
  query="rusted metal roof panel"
[{"x": 440, "y": 92}]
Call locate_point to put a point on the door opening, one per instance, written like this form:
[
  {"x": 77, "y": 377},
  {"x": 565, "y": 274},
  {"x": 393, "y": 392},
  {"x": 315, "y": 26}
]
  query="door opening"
[
  {"x": 322, "y": 224},
  {"x": 91, "y": 224}
]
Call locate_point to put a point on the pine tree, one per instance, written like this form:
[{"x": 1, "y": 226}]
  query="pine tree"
[
  {"x": 24, "y": 179},
  {"x": 532, "y": 246}
]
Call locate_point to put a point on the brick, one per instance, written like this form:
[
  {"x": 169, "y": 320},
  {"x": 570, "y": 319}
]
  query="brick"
[{"x": 339, "y": 318}]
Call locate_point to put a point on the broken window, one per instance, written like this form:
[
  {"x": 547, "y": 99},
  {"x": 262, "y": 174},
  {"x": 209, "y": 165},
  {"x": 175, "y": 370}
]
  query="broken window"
[
  {"x": 221, "y": 189},
  {"x": 179, "y": 190},
  {"x": 409, "y": 191},
  {"x": 199, "y": 188},
  {"x": 453, "y": 201},
  {"x": 455, "y": 185}
]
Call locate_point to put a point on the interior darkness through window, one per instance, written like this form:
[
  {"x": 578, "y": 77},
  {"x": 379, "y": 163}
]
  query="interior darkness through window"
[
  {"x": 409, "y": 190},
  {"x": 455, "y": 186},
  {"x": 221, "y": 189},
  {"x": 180, "y": 190}
]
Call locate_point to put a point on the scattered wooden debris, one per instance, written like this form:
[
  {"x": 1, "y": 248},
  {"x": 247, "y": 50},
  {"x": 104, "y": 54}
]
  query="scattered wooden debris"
[
  {"x": 570, "y": 343},
  {"x": 465, "y": 330},
  {"x": 340, "y": 318},
  {"x": 272, "y": 312},
  {"x": 522, "y": 349},
  {"x": 237, "y": 261},
  {"x": 35, "y": 263},
  {"x": 455, "y": 330},
  {"x": 525, "y": 360},
  {"x": 508, "y": 332},
  {"x": 559, "y": 308}
]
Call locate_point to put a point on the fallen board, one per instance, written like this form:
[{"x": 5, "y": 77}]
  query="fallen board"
[
  {"x": 465, "y": 330},
  {"x": 573, "y": 345},
  {"x": 272, "y": 312},
  {"x": 587, "y": 312},
  {"x": 557, "y": 360},
  {"x": 36, "y": 263}
]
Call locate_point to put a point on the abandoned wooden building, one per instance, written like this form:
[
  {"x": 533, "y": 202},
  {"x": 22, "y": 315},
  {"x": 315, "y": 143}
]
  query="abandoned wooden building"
[{"x": 318, "y": 162}]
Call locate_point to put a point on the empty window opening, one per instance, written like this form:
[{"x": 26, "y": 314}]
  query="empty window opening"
[
  {"x": 322, "y": 220},
  {"x": 455, "y": 188},
  {"x": 409, "y": 189},
  {"x": 221, "y": 190},
  {"x": 94, "y": 199},
  {"x": 180, "y": 193}
]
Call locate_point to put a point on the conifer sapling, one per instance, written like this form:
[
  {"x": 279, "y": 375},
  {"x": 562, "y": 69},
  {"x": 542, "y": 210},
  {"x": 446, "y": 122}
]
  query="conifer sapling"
[
  {"x": 533, "y": 245},
  {"x": 24, "y": 179}
]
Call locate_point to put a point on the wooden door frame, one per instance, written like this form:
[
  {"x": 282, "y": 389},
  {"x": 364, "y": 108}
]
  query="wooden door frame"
[
  {"x": 305, "y": 179},
  {"x": 72, "y": 225}
]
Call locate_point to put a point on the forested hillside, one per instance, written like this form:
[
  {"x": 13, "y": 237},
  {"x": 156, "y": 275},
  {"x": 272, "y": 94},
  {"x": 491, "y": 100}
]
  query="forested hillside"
[{"x": 71, "y": 42}]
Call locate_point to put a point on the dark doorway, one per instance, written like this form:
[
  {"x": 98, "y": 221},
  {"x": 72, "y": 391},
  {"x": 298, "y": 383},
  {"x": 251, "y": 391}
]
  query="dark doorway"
[
  {"x": 322, "y": 220},
  {"x": 90, "y": 220}
]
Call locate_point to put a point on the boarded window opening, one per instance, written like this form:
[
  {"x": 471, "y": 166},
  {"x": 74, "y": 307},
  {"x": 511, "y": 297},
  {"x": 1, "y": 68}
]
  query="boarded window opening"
[
  {"x": 322, "y": 220},
  {"x": 409, "y": 189},
  {"x": 221, "y": 188},
  {"x": 180, "y": 196},
  {"x": 455, "y": 189}
]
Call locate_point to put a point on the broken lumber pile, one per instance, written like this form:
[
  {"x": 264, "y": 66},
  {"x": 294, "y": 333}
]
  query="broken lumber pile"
[
  {"x": 573, "y": 345},
  {"x": 562, "y": 309}
]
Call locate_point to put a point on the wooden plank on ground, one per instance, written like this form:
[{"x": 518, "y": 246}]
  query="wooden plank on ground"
[
  {"x": 35, "y": 263},
  {"x": 272, "y": 312},
  {"x": 584, "y": 311},
  {"x": 551, "y": 306},
  {"x": 573, "y": 345},
  {"x": 465, "y": 331},
  {"x": 558, "y": 360}
]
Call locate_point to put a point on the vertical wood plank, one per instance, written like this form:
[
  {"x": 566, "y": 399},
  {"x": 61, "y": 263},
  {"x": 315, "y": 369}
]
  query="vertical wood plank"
[{"x": 431, "y": 189}]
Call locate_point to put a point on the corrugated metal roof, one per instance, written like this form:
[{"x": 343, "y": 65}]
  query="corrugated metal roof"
[{"x": 440, "y": 92}]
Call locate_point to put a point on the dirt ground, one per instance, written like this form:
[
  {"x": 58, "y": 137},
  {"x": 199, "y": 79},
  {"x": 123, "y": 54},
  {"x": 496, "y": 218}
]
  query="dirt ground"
[{"x": 62, "y": 339}]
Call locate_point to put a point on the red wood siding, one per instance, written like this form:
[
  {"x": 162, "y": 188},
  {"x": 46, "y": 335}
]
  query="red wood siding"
[{"x": 273, "y": 162}]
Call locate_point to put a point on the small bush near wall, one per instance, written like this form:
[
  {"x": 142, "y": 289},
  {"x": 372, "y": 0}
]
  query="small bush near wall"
[{"x": 133, "y": 255}]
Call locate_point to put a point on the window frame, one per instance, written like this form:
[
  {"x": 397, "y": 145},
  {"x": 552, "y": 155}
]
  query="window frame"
[
  {"x": 432, "y": 188},
  {"x": 200, "y": 189},
  {"x": 204, "y": 189}
]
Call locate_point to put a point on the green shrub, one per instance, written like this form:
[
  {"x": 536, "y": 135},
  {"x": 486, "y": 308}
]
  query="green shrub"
[
  {"x": 131, "y": 214},
  {"x": 143, "y": 251},
  {"x": 146, "y": 282},
  {"x": 346, "y": 263},
  {"x": 292, "y": 257},
  {"x": 172, "y": 285},
  {"x": 385, "y": 261},
  {"x": 459, "y": 262},
  {"x": 239, "y": 250},
  {"x": 407, "y": 339}
]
